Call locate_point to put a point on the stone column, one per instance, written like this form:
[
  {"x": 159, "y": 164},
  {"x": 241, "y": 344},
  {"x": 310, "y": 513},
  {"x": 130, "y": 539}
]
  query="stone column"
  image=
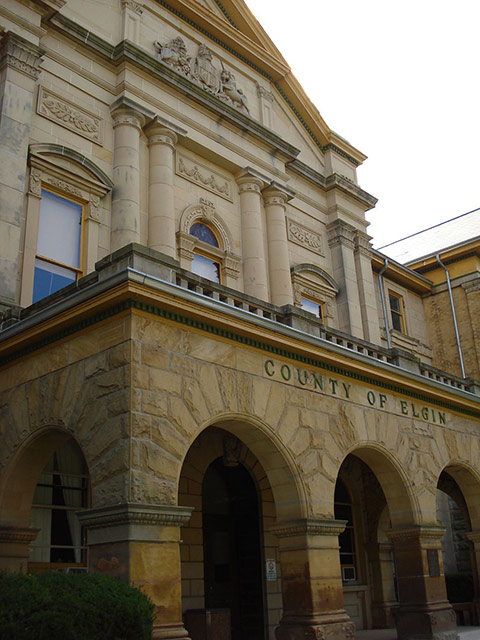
[
  {"x": 383, "y": 586},
  {"x": 140, "y": 543},
  {"x": 424, "y": 610},
  {"x": 128, "y": 120},
  {"x": 161, "y": 209},
  {"x": 15, "y": 547},
  {"x": 366, "y": 289},
  {"x": 311, "y": 581},
  {"x": 253, "y": 241},
  {"x": 341, "y": 241},
  {"x": 19, "y": 71},
  {"x": 275, "y": 199}
]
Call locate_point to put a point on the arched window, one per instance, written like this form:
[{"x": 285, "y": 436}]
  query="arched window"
[
  {"x": 62, "y": 490},
  {"x": 203, "y": 263},
  {"x": 205, "y": 244},
  {"x": 315, "y": 291}
]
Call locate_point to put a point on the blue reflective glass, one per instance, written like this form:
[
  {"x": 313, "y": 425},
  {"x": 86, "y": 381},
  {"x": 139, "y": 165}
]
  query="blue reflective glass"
[
  {"x": 48, "y": 279},
  {"x": 203, "y": 233}
]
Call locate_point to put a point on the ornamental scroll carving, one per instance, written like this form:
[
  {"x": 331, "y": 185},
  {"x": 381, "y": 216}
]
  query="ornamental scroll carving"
[
  {"x": 304, "y": 237},
  {"x": 198, "y": 174},
  {"x": 70, "y": 116},
  {"x": 221, "y": 83}
]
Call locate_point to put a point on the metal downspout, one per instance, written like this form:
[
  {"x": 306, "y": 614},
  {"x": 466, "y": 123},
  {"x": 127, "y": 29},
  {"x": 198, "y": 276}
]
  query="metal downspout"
[
  {"x": 457, "y": 336},
  {"x": 384, "y": 307}
]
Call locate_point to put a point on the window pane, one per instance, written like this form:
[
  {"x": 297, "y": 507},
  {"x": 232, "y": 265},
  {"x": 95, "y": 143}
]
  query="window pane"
[
  {"x": 311, "y": 307},
  {"x": 49, "y": 278},
  {"x": 206, "y": 268},
  {"x": 204, "y": 233},
  {"x": 59, "y": 230}
]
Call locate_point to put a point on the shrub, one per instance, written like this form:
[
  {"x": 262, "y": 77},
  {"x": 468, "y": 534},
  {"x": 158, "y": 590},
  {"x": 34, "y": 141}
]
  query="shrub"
[{"x": 68, "y": 606}]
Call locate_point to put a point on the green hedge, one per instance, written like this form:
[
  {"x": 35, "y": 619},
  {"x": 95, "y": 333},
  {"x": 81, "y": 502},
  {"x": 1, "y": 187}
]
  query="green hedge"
[{"x": 69, "y": 606}]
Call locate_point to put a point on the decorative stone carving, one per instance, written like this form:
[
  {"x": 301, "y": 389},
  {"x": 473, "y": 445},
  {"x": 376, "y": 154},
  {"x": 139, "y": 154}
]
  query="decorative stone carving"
[
  {"x": 64, "y": 186},
  {"x": 309, "y": 526},
  {"x": 264, "y": 93},
  {"x": 21, "y": 55},
  {"x": 35, "y": 182},
  {"x": 133, "y": 6},
  {"x": 221, "y": 84},
  {"x": 92, "y": 209},
  {"x": 302, "y": 236},
  {"x": 229, "y": 92},
  {"x": 199, "y": 174},
  {"x": 204, "y": 71},
  {"x": 174, "y": 54},
  {"x": 70, "y": 116}
]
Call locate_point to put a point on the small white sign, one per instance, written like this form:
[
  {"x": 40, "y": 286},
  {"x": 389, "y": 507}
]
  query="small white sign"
[{"x": 271, "y": 570}]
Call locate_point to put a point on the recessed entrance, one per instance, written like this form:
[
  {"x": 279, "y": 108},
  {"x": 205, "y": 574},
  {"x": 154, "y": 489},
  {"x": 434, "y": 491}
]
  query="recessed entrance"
[{"x": 231, "y": 545}]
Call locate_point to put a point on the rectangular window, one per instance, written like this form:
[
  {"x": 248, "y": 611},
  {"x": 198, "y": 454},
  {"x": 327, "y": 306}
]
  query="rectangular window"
[
  {"x": 57, "y": 261},
  {"x": 396, "y": 311},
  {"x": 205, "y": 267},
  {"x": 312, "y": 307}
]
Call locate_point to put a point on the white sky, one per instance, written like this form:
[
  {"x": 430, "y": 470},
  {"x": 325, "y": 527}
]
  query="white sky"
[{"x": 399, "y": 81}]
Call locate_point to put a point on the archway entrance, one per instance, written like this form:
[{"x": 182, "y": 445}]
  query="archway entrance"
[{"x": 232, "y": 553}]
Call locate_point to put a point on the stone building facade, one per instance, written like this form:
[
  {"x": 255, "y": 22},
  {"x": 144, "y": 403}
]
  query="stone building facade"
[{"x": 211, "y": 385}]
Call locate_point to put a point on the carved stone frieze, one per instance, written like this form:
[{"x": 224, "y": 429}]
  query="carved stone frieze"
[
  {"x": 93, "y": 209},
  {"x": 64, "y": 186},
  {"x": 201, "y": 175},
  {"x": 264, "y": 93},
  {"x": 309, "y": 526},
  {"x": 304, "y": 237},
  {"x": 221, "y": 83},
  {"x": 133, "y": 6},
  {"x": 70, "y": 116},
  {"x": 131, "y": 513},
  {"x": 21, "y": 55}
]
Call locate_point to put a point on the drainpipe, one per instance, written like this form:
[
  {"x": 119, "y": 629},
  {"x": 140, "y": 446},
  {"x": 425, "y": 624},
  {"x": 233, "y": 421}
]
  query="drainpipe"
[
  {"x": 453, "y": 313},
  {"x": 382, "y": 295}
]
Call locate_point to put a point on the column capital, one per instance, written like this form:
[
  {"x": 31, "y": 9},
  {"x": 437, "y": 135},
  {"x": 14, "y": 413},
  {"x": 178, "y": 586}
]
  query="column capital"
[
  {"x": 417, "y": 532},
  {"x": 473, "y": 536},
  {"x": 362, "y": 244},
  {"x": 17, "y": 535},
  {"x": 275, "y": 193},
  {"x": 166, "y": 515},
  {"x": 250, "y": 180},
  {"x": 309, "y": 526},
  {"x": 20, "y": 54},
  {"x": 158, "y": 126},
  {"x": 340, "y": 232},
  {"x": 127, "y": 111}
]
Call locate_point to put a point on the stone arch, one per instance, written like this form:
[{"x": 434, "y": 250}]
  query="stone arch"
[
  {"x": 321, "y": 273},
  {"x": 392, "y": 477},
  {"x": 21, "y": 473},
  {"x": 468, "y": 481},
  {"x": 205, "y": 211},
  {"x": 285, "y": 479}
]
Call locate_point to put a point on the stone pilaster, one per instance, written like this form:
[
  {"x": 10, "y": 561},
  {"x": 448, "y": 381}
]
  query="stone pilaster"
[
  {"x": 311, "y": 581},
  {"x": 15, "y": 547},
  {"x": 128, "y": 120},
  {"x": 161, "y": 210},
  {"x": 253, "y": 239},
  {"x": 366, "y": 288},
  {"x": 424, "y": 610},
  {"x": 19, "y": 71},
  {"x": 275, "y": 198},
  {"x": 341, "y": 239},
  {"x": 474, "y": 539},
  {"x": 384, "y": 600},
  {"x": 141, "y": 543}
]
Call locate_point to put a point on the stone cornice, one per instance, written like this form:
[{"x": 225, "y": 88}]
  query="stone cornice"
[
  {"x": 308, "y": 527},
  {"x": 337, "y": 181},
  {"x": 135, "y": 513}
]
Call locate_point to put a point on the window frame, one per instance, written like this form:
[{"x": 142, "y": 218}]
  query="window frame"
[
  {"x": 79, "y": 271},
  {"x": 398, "y": 314}
]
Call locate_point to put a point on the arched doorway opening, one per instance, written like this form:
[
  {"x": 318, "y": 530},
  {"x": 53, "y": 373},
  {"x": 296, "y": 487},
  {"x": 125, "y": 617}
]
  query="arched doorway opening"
[
  {"x": 457, "y": 551},
  {"x": 231, "y": 547},
  {"x": 239, "y": 484}
]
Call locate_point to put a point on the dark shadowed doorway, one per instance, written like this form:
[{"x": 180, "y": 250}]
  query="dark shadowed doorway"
[{"x": 232, "y": 555}]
